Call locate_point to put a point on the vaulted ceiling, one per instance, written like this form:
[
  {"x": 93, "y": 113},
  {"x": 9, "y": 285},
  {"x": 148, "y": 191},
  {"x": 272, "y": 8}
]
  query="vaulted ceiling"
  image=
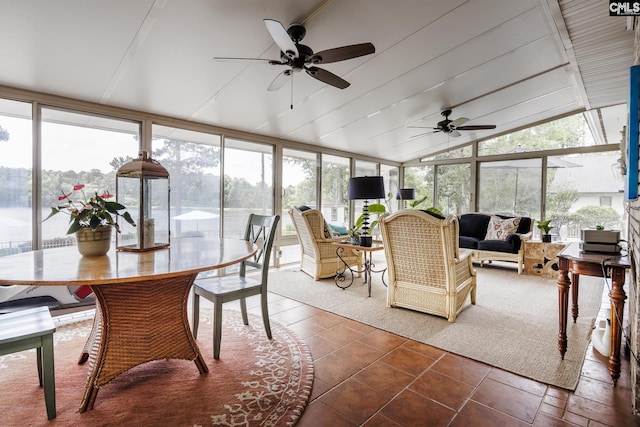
[{"x": 503, "y": 62}]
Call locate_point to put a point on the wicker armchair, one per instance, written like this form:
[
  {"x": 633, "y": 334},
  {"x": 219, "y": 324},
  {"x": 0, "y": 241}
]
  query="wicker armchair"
[
  {"x": 427, "y": 272},
  {"x": 318, "y": 254}
]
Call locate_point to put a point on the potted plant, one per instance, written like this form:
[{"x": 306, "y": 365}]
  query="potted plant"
[
  {"x": 91, "y": 219},
  {"x": 354, "y": 232},
  {"x": 415, "y": 203},
  {"x": 545, "y": 227}
]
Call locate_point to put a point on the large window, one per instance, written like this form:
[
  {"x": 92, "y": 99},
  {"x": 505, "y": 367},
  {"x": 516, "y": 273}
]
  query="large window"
[
  {"x": 422, "y": 179},
  {"x": 567, "y": 132},
  {"x": 453, "y": 187},
  {"x": 454, "y": 153},
  {"x": 390, "y": 174},
  {"x": 364, "y": 168},
  {"x": 335, "y": 179},
  {"x": 248, "y": 184},
  {"x": 299, "y": 184},
  {"x": 545, "y": 172},
  {"x": 193, "y": 162},
  {"x": 15, "y": 176},
  {"x": 575, "y": 194},
  {"x": 84, "y": 149},
  {"x": 511, "y": 187}
]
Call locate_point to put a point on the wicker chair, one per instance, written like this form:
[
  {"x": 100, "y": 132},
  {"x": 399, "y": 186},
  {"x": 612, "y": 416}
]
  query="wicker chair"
[
  {"x": 318, "y": 254},
  {"x": 426, "y": 270}
]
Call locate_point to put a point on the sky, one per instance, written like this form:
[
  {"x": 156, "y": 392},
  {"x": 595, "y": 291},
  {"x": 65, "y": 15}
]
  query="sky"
[
  {"x": 77, "y": 148},
  {"x": 64, "y": 154}
]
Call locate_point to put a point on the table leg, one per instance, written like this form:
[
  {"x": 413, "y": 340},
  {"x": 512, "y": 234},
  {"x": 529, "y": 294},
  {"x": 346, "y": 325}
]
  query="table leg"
[
  {"x": 575, "y": 287},
  {"x": 367, "y": 270},
  {"x": 341, "y": 274},
  {"x": 617, "y": 296},
  {"x": 139, "y": 322},
  {"x": 563, "y": 304}
]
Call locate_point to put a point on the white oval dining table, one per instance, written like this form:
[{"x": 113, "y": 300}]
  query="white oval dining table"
[{"x": 141, "y": 299}]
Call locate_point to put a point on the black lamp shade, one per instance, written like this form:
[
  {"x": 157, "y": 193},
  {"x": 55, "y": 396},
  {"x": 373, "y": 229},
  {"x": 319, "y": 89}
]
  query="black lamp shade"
[
  {"x": 406, "y": 194},
  {"x": 366, "y": 188}
]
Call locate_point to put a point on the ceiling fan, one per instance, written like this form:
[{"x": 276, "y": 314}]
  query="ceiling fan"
[
  {"x": 297, "y": 57},
  {"x": 451, "y": 127}
]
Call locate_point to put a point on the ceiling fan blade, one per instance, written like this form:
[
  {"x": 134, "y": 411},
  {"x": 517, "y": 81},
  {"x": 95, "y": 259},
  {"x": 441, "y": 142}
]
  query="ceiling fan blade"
[
  {"x": 421, "y": 127},
  {"x": 476, "y": 127},
  {"x": 457, "y": 122},
  {"x": 281, "y": 37},
  {"x": 454, "y": 133},
  {"x": 231, "y": 59},
  {"x": 280, "y": 80},
  {"x": 423, "y": 134},
  {"x": 420, "y": 134},
  {"x": 341, "y": 53},
  {"x": 327, "y": 77}
]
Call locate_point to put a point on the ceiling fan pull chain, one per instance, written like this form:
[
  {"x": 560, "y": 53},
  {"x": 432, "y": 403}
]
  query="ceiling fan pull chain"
[{"x": 292, "y": 91}]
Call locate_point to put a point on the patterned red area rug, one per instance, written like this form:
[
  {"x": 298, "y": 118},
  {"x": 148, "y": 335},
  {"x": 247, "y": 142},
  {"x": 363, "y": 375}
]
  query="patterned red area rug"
[{"x": 256, "y": 382}]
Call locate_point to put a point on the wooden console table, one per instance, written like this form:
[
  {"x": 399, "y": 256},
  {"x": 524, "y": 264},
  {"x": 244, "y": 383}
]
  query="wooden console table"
[{"x": 573, "y": 260}]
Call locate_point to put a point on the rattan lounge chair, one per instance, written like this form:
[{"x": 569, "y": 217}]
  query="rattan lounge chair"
[
  {"x": 427, "y": 271},
  {"x": 318, "y": 254}
]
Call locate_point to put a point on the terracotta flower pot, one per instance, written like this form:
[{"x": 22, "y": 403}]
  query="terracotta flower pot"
[{"x": 94, "y": 243}]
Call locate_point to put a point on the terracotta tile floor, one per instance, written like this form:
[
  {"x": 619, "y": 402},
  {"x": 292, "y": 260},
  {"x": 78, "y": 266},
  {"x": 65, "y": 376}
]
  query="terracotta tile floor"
[{"x": 366, "y": 376}]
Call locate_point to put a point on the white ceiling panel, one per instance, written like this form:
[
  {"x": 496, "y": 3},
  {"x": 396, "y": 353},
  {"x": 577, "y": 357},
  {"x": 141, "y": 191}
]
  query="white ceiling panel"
[
  {"x": 504, "y": 62},
  {"x": 71, "y": 50}
]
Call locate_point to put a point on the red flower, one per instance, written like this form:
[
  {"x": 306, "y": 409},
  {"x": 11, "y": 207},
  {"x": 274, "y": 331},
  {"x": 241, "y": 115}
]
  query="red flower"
[{"x": 90, "y": 212}]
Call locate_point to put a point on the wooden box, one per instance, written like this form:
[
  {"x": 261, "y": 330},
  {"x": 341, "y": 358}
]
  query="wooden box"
[{"x": 541, "y": 259}]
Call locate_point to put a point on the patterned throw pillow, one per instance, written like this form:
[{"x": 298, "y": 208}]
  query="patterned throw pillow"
[{"x": 499, "y": 229}]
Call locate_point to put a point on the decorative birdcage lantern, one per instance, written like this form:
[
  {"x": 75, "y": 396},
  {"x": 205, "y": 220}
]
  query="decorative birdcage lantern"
[{"x": 143, "y": 186}]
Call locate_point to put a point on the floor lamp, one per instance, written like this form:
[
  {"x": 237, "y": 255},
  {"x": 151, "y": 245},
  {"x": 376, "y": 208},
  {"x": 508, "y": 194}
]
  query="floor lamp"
[
  {"x": 405, "y": 194},
  {"x": 366, "y": 188}
]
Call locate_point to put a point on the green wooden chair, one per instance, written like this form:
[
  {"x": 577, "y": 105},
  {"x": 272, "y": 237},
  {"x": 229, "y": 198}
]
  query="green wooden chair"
[
  {"x": 27, "y": 329},
  {"x": 261, "y": 231}
]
